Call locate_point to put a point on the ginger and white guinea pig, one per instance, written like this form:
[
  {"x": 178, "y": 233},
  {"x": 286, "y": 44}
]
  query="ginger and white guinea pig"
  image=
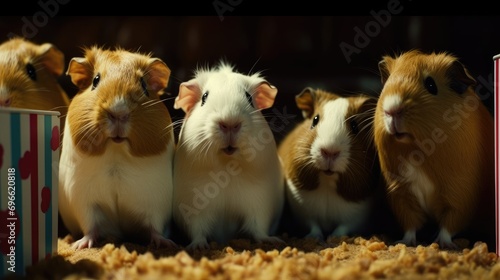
[
  {"x": 29, "y": 75},
  {"x": 227, "y": 174},
  {"x": 116, "y": 160},
  {"x": 435, "y": 140},
  {"x": 330, "y": 164}
]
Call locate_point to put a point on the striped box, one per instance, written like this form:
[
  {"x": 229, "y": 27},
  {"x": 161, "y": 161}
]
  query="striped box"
[
  {"x": 496, "y": 71},
  {"x": 29, "y": 157}
]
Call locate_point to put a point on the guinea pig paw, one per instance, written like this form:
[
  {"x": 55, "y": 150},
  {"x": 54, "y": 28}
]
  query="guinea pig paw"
[
  {"x": 158, "y": 240},
  {"x": 85, "y": 242},
  {"x": 409, "y": 239},
  {"x": 444, "y": 240},
  {"x": 198, "y": 244},
  {"x": 446, "y": 244},
  {"x": 270, "y": 239}
]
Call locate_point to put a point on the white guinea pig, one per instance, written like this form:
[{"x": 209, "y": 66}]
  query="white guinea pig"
[
  {"x": 227, "y": 173},
  {"x": 116, "y": 160},
  {"x": 330, "y": 164}
]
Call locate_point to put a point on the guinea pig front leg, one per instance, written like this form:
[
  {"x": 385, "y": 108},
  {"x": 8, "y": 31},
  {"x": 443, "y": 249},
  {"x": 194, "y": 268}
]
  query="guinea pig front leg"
[
  {"x": 158, "y": 240},
  {"x": 257, "y": 224},
  {"x": 91, "y": 223},
  {"x": 341, "y": 230},
  {"x": 408, "y": 211},
  {"x": 199, "y": 228},
  {"x": 87, "y": 241},
  {"x": 452, "y": 221},
  {"x": 444, "y": 240},
  {"x": 315, "y": 232}
]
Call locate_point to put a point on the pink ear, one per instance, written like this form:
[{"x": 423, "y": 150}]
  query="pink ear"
[
  {"x": 189, "y": 95},
  {"x": 159, "y": 74},
  {"x": 264, "y": 95},
  {"x": 79, "y": 70}
]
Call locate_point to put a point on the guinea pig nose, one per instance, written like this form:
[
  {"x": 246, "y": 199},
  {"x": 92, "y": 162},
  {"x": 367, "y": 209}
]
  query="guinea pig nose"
[
  {"x": 331, "y": 154},
  {"x": 5, "y": 103},
  {"x": 229, "y": 127},
  {"x": 118, "y": 116},
  {"x": 395, "y": 112}
]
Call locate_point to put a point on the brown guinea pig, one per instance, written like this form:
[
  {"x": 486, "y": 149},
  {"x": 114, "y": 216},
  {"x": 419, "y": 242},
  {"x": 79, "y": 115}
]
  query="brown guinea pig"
[
  {"x": 331, "y": 165},
  {"x": 115, "y": 172},
  {"x": 28, "y": 76},
  {"x": 435, "y": 140}
]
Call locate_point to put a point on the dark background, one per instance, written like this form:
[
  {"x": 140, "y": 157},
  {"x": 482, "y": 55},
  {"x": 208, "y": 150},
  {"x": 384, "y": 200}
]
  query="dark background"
[{"x": 292, "y": 52}]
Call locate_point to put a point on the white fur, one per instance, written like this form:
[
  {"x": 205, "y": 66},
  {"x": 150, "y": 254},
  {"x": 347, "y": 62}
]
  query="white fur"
[
  {"x": 323, "y": 210},
  {"x": 217, "y": 195},
  {"x": 392, "y": 102},
  {"x": 332, "y": 134},
  {"x": 421, "y": 186},
  {"x": 116, "y": 181}
]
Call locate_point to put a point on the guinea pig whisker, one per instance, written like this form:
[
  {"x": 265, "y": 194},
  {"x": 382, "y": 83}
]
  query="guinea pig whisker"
[
  {"x": 250, "y": 71},
  {"x": 150, "y": 103}
]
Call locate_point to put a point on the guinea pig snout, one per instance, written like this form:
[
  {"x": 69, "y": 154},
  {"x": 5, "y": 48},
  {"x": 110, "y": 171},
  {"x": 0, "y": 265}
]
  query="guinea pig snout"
[
  {"x": 229, "y": 130},
  {"x": 5, "y": 102},
  {"x": 118, "y": 124},
  {"x": 329, "y": 162},
  {"x": 329, "y": 155},
  {"x": 5, "y": 98},
  {"x": 394, "y": 115},
  {"x": 393, "y": 120},
  {"x": 229, "y": 127}
]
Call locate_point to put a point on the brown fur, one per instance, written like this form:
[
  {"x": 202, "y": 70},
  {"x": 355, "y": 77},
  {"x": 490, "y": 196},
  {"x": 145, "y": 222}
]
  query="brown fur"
[
  {"x": 120, "y": 75},
  {"x": 355, "y": 184},
  {"x": 45, "y": 93},
  {"x": 461, "y": 167}
]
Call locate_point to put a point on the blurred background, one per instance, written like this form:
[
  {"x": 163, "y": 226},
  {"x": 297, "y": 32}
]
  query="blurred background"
[{"x": 336, "y": 53}]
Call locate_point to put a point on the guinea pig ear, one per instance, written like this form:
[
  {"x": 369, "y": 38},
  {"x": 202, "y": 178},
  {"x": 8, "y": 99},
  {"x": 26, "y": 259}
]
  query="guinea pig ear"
[
  {"x": 80, "y": 71},
  {"x": 264, "y": 95},
  {"x": 459, "y": 78},
  {"x": 189, "y": 95},
  {"x": 383, "y": 67},
  {"x": 305, "y": 102},
  {"x": 157, "y": 75},
  {"x": 51, "y": 58}
]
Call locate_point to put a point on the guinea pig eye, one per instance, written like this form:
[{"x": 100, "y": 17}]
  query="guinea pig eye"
[
  {"x": 31, "y": 71},
  {"x": 144, "y": 87},
  {"x": 96, "y": 80},
  {"x": 249, "y": 98},
  {"x": 315, "y": 121},
  {"x": 354, "y": 126},
  {"x": 430, "y": 85},
  {"x": 204, "y": 98}
]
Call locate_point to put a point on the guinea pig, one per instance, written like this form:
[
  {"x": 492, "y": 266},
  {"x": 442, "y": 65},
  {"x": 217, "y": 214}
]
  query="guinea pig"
[
  {"x": 29, "y": 75},
  {"x": 330, "y": 163},
  {"x": 227, "y": 175},
  {"x": 116, "y": 160},
  {"x": 435, "y": 140}
]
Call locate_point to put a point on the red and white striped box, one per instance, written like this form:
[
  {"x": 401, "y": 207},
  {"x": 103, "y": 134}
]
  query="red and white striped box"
[
  {"x": 496, "y": 71},
  {"x": 29, "y": 158}
]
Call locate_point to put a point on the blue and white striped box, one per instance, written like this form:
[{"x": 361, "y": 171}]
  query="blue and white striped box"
[{"x": 29, "y": 157}]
